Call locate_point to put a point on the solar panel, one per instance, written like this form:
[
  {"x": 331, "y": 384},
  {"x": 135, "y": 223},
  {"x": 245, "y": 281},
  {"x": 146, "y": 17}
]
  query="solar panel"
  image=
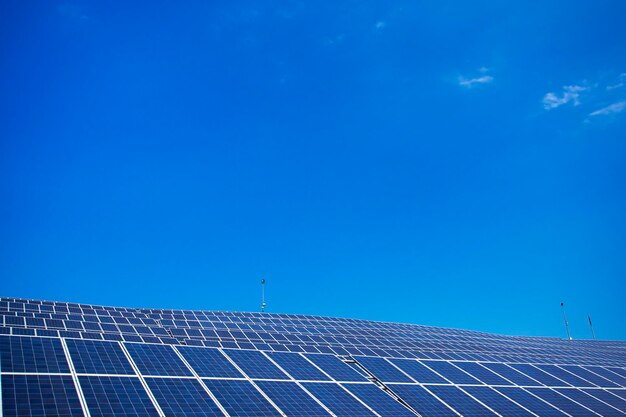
[
  {"x": 458, "y": 372},
  {"x": 32, "y": 354},
  {"x": 180, "y": 397},
  {"x": 90, "y": 357},
  {"x": 209, "y": 362},
  {"x": 157, "y": 360},
  {"x": 423, "y": 401},
  {"x": 338, "y": 400},
  {"x": 240, "y": 398},
  {"x": 39, "y": 396},
  {"x": 378, "y": 400},
  {"x": 116, "y": 396},
  {"x": 292, "y": 399},
  {"x": 298, "y": 367}
]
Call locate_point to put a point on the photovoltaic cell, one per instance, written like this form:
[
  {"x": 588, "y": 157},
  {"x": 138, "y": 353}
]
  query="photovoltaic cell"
[
  {"x": 532, "y": 403},
  {"x": 451, "y": 372},
  {"x": 588, "y": 401},
  {"x": 298, "y": 367},
  {"x": 116, "y": 396},
  {"x": 497, "y": 401},
  {"x": 337, "y": 369},
  {"x": 539, "y": 375},
  {"x": 292, "y": 399},
  {"x": 605, "y": 373},
  {"x": 608, "y": 398},
  {"x": 157, "y": 360},
  {"x": 378, "y": 400},
  {"x": 460, "y": 401},
  {"x": 589, "y": 376},
  {"x": 483, "y": 374},
  {"x": 240, "y": 398},
  {"x": 39, "y": 396},
  {"x": 209, "y": 362},
  {"x": 382, "y": 369},
  {"x": 561, "y": 402},
  {"x": 423, "y": 401},
  {"x": 340, "y": 402},
  {"x": 179, "y": 397},
  {"x": 255, "y": 364},
  {"x": 565, "y": 376},
  {"x": 92, "y": 357},
  {"x": 32, "y": 354},
  {"x": 511, "y": 374},
  {"x": 418, "y": 371}
]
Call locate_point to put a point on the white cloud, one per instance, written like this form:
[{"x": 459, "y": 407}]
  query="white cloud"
[
  {"x": 571, "y": 93},
  {"x": 380, "y": 25},
  {"x": 619, "y": 84},
  {"x": 471, "y": 82},
  {"x": 610, "y": 109}
]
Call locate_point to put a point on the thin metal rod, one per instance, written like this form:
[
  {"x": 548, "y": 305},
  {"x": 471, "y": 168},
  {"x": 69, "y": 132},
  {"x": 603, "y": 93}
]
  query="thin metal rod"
[
  {"x": 569, "y": 337},
  {"x": 593, "y": 334},
  {"x": 263, "y": 295}
]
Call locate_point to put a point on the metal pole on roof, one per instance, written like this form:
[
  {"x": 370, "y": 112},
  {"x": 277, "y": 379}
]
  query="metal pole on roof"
[
  {"x": 569, "y": 337},
  {"x": 263, "y": 295},
  {"x": 593, "y": 334}
]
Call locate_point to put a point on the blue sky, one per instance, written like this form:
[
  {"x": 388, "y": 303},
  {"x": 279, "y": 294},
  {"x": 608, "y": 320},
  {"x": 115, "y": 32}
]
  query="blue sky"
[{"x": 445, "y": 163}]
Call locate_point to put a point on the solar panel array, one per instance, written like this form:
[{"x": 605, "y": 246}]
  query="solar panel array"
[{"x": 64, "y": 359}]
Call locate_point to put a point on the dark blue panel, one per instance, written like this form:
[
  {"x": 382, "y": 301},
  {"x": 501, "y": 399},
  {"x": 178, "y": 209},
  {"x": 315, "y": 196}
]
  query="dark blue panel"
[
  {"x": 32, "y": 354},
  {"x": 460, "y": 401},
  {"x": 255, "y": 364},
  {"x": 209, "y": 362},
  {"x": 539, "y": 375},
  {"x": 298, "y": 367},
  {"x": 451, "y": 372},
  {"x": 291, "y": 399},
  {"x": 336, "y": 368},
  {"x": 418, "y": 371},
  {"x": 179, "y": 397},
  {"x": 91, "y": 357},
  {"x": 531, "y": 402},
  {"x": 497, "y": 402},
  {"x": 561, "y": 402},
  {"x": 39, "y": 396},
  {"x": 588, "y": 401},
  {"x": 382, "y": 369},
  {"x": 423, "y": 401},
  {"x": 240, "y": 398},
  {"x": 340, "y": 402},
  {"x": 565, "y": 376},
  {"x": 511, "y": 374},
  {"x": 608, "y": 398},
  {"x": 378, "y": 400},
  {"x": 157, "y": 360},
  {"x": 605, "y": 373},
  {"x": 116, "y": 396},
  {"x": 483, "y": 374},
  {"x": 589, "y": 376}
]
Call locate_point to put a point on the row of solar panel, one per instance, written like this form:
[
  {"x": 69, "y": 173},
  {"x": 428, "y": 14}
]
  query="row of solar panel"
[
  {"x": 55, "y": 395},
  {"x": 46, "y": 355},
  {"x": 310, "y": 348}
]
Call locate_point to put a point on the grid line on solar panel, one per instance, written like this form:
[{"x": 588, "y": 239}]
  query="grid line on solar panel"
[
  {"x": 418, "y": 371},
  {"x": 564, "y": 375},
  {"x": 561, "y": 402},
  {"x": 295, "y": 365},
  {"x": 512, "y": 374},
  {"x": 481, "y": 373},
  {"x": 607, "y": 397},
  {"x": 32, "y": 354},
  {"x": 530, "y": 402},
  {"x": 183, "y": 397},
  {"x": 292, "y": 399},
  {"x": 539, "y": 375},
  {"x": 378, "y": 400},
  {"x": 119, "y": 396},
  {"x": 209, "y": 362},
  {"x": 589, "y": 401},
  {"x": 338, "y": 400},
  {"x": 382, "y": 369},
  {"x": 589, "y": 376},
  {"x": 241, "y": 398},
  {"x": 157, "y": 360},
  {"x": 39, "y": 396},
  {"x": 496, "y": 401},
  {"x": 91, "y": 357}
]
